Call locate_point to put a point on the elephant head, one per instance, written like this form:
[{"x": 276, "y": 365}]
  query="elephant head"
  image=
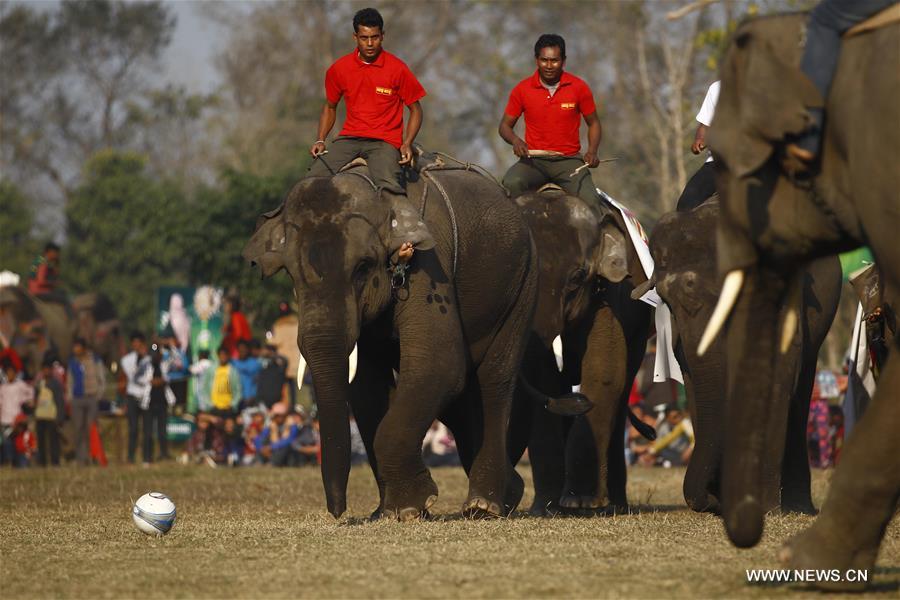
[
  {"x": 334, "y": 237},
  {"x": 24, "y": 328},
  {"x": 770, "y": 227},
  {"x": 587, "y": 250}
]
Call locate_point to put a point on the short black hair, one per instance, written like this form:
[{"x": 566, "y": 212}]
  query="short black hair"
[
  {"x": 51, "y": 246},
  {"x": 243, "y": 342},
  {"x": 137, "y": 335},
  {"x": 223, "y": 348},
  {"x": 203, "y": 354},
  {"x": 549, "y": 40},
  {"x": 368, "y": 17},
  {"x": 80, "y": 341}
]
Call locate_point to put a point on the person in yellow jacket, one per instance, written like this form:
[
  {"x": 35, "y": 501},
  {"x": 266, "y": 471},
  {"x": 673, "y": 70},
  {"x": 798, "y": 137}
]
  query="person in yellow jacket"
[{"x": 225, "y": 386}]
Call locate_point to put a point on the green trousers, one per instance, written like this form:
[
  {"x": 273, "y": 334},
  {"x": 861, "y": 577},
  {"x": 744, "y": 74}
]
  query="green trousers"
[
  {"x": 383, "y": 160},
  {"x": 529, "y": 174}
]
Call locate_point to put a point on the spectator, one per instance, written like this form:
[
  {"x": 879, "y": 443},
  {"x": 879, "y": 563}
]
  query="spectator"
[
  {"x": 284, "y": 338},
  {"x": 24, "y": 444},
  {"x": 178, "y": 368},
  {"x": 271, "y": 377},
  {"x": 157, "y": 399},
  {"x": 248, "y": 366},
  {"x": 49, "y": 413},
  {"x": 201, "y": 380},
  {"x": 15, "y": 395},
  {"x": 236, "y": 327},
  {"x": 308, "y": 443},
  {"x": 207, "y": 443},
  {"x": 275, "y": 443},
  {"x": 253, "y": 429},
  {"x": 86, "y": 380},
  {"x": 638, "y": 445},
  {"x": 9, "y": 355},
  {"x": 439, "y": 447},
  {"x": 134, "y": 366},
  {"x": 675, "y": 441},
  {"x": 225, "y": 386},
  {"x": 44, "y": 276},
  {"x": 234, "y": 441}
]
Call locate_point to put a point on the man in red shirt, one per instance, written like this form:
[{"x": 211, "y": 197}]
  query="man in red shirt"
[
  {"x": 554, "y": 103},
  {"x": 375, "y": 85}
]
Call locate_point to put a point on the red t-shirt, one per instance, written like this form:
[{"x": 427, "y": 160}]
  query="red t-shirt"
[
  {"x": 375, "y": 95},
  {"x": 551, "y": 123}
]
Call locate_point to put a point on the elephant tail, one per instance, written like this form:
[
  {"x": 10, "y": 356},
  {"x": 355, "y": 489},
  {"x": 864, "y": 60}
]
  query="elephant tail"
[
  {"x": 645, "y": 430},
  {"x": 567, "y": 405}
]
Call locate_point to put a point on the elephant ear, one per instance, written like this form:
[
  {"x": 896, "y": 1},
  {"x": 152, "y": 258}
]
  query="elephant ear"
[
  {"x": 610, "y": 258},
  {"x": 764, "y": 95},
  {"x": 404, "y": 225},
  {"x": 266, "y": 247}
]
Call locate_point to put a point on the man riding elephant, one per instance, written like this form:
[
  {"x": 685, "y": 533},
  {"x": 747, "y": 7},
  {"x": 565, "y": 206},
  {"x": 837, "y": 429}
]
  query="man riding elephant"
[{"x": 375, "y": 85}]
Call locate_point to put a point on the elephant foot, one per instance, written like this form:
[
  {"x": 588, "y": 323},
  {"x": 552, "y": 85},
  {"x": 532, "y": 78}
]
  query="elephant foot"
[
  {"x": 412, "y": 513},
  {"x": 479, "y": 507},
  {"x": 583, "y": 502},
  {"x": 813, "y": 550},
  {"x": 544, "y": 508},
  {"x": 706, "y": 503},
  {"x": 515, "y": 489},
  {"x": 411, "y": 501}
]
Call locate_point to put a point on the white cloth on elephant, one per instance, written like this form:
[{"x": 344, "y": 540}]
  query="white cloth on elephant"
[
  {"x": 666, "y": 366},
  {"x": 708, "y": 109}
]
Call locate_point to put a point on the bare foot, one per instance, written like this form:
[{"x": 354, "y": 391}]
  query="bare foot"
[{"x": 405, "y": 253}]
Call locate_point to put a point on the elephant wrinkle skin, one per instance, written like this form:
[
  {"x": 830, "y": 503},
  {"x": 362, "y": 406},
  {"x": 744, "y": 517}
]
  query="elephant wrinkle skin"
[
  {"x": 455, "y": 339},
  {"x": 576, "y": 462},
  {"x": 682, "y": 245},
  {"x": 771, "y": 228}
]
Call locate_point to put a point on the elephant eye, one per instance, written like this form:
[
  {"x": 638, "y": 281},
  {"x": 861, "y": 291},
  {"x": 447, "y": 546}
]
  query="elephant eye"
[
  {"x": 577, "y": 277},
  {"x": 361, "y": 271}
]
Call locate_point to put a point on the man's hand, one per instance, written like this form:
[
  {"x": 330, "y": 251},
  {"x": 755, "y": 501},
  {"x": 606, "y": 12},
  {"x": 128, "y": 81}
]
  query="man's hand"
[
  {"x": 406, "y": 154},
  {"x": 698, "y": 146},
  {"x": 520, "y": 148},
  {"x": 591, "y": 160},
  {"x": 317, "y": 149}
]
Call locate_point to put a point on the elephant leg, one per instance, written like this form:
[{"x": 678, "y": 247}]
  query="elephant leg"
[
  {"x": 422, "y": 391},
  {"x": 796, "y": 493},
  {"x": 617, "y": 480},
  {"x": 603, "y": 381},
  {"x": 702, "y": 479},
  {"x": 369, "y": 400},
  {"x": 864, "y": 494}
]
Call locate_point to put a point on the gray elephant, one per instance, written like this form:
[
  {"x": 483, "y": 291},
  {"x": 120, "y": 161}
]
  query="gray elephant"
[
  {"x": 683, "y": 245},
  {"x": 454, "y": 327},
  {"x": 771, "y": 227},
  {"x": 33, "y": 326},
  {"x": 584, "y": 292}
]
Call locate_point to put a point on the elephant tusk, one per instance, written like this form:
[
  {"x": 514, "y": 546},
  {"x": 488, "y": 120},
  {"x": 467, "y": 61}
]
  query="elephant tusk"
[
  {"x": 791, "y": 317},
  {"x": 788, "y": 329},
  {"x": 352, "y": 366},
  {"x": 558, "y": 352},
  {"x": 730, "y": 290},
  {"x": 301, "y": 369}
]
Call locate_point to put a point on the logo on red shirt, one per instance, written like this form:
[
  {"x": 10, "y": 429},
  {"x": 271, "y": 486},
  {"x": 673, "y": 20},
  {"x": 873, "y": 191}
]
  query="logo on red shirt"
[
  {"x": 567, "y": 106},
  {"x": 383, "y": 91}
]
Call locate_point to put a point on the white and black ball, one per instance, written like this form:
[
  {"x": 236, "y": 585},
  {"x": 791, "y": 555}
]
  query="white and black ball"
[{"x": 154, "y": 513}]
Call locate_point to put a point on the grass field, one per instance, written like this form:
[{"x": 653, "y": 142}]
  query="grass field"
[{"x": 264, "y": 533}]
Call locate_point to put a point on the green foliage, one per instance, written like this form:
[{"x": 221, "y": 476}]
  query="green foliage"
[
  {"x": 18, "y": 246},
  {"x": 126, "y": 235}
]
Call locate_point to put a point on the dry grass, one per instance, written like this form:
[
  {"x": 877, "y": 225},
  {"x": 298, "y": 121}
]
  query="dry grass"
[{"x": 264, "y": 533}]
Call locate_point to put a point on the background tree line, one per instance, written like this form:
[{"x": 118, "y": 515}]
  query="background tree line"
[{"x": 147, "y": 184}]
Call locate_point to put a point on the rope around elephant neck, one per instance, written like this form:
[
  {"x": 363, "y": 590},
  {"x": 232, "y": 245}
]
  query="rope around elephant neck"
[{"x": 424, "y": 172}]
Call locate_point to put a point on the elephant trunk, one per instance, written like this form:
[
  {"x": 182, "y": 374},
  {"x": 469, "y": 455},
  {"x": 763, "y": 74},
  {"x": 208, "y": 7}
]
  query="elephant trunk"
[
  {"x": 326, "y": 353},
  {"x": 752, "y": 339}
]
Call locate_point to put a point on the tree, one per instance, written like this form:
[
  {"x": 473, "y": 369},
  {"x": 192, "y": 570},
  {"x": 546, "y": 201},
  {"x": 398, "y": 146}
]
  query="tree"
[
  {"x": 128, "y": 234},
  {"x": 18, "y": 244},
  {"x": 67, "y": 75}
]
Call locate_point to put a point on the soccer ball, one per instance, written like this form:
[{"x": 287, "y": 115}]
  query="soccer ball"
[{"x": 154, "y": 513}]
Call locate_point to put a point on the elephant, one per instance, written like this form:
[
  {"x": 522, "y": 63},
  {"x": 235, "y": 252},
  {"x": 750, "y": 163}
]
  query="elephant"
[
  {"x": 454, "y": 327},
  {"x": 33, "y": 326},
  {"x": 683, "y": 245},
  {"x": 772, "y": 224},
  {"x": 584, "y": 288}
]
